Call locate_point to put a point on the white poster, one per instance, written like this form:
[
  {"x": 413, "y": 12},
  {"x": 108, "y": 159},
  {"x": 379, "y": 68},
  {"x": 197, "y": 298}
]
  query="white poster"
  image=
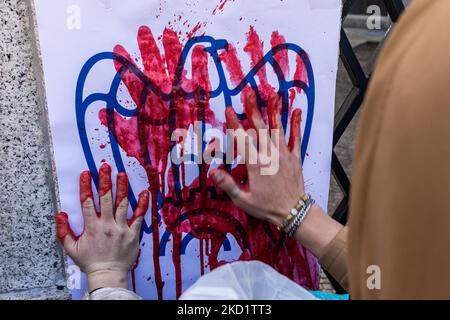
[{"x": 122, "y": 76}]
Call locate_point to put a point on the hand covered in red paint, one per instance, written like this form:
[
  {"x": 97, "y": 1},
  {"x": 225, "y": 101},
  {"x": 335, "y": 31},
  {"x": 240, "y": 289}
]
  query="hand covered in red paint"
[
  {"x": 271, "y": 197},
  {"x": 109, "y": 245},
  {"x": 271, "y": 193}
]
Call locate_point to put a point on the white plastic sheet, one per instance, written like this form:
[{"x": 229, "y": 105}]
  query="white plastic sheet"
[{"x": 246, "y": 280}]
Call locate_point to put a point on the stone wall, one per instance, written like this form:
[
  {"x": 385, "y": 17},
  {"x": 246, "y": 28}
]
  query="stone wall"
[{"x": 31, "y": 262}]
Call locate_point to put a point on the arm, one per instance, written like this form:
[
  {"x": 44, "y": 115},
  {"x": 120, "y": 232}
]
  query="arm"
[
  {"x": 109, "y": 245},
  {"x": 270, "y": 197}
]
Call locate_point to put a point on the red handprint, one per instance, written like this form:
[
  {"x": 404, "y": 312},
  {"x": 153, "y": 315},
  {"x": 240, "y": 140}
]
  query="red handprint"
[{"x": 199, "y": 208}]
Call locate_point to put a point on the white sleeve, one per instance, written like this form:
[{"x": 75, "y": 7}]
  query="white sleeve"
[{"x": 112, "y": 294}]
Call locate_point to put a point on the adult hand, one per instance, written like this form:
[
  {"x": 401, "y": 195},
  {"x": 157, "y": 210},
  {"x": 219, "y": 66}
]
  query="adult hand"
[
  {"x": 269, "y": 197},
  {"x": 109, "y": 245}
]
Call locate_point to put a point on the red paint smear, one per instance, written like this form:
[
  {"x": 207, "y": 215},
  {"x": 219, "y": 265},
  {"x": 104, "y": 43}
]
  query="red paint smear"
[
  {"x": 296, "y": 119},
  {"x": 146, "y": 137},
  {"x": 255, "y": 48},
  {"x": 233, "y": 65},
  {"x": 154, "y": 188},
  {"x": 281, "y": 57},
  {"x": 292, "y": 95},
  {"x": 63, "y": 228},
  {"x": 202, "y": 258},
  {"x": 300, "y": 72},
  {"x": 141, "y": 207},
  {"x": 173, "y": 48},
  {"x": 122, "y": 188}
]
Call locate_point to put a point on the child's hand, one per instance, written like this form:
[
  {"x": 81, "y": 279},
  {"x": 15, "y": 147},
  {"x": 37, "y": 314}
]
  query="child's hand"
[{"x": 109, "y": 245}]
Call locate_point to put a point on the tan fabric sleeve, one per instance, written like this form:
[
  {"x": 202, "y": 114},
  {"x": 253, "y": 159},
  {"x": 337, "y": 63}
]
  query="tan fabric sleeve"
[
  {"x": 334, "y": 258},
  {"x": 399, "y": 227}
]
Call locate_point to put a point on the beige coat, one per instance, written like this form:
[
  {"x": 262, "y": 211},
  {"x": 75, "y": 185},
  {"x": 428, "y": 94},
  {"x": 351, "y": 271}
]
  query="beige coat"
[{"x": 399, "y": 211}]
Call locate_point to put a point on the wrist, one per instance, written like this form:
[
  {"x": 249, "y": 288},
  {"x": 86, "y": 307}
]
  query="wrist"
[
  {"x": 284, "y": 216},
  {"x": 317, "y": 230},
  {"x": 107, "y": 278}
]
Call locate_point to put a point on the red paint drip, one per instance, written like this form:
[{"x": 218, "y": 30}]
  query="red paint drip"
[
  {"x": 176, "y": 254},
  {"x": 233, "y": 65},
  {"x": 141, "y": 207},
  {"x": 281, "y": 57},
  {"x": 300, "y": 72},
  {"x": 154, "y": 188},
  {"x": 202, "y": 257}
]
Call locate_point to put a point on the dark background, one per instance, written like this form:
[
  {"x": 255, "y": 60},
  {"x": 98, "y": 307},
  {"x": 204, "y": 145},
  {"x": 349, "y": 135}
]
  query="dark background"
[{"x": 360, "y": 6}]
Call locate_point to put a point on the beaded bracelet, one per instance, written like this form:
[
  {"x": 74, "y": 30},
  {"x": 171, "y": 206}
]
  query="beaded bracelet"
[
  {"x": 294, "y": 212},
  {"x": 300, "y": 217},
  {"x": 297, "y": 215}
]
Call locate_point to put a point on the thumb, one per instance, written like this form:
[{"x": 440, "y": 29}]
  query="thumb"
[
  {"x": 225, "y": 181},
  {"x": 138, "y": 216}
]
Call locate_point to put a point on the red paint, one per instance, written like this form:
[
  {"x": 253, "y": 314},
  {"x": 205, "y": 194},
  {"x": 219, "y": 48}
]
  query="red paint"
[
  {"x": 121, "y": 188},
  {"x": 295, "y": 135},
  {"x": 281, "y": 57},
  {"x": 300, "y": 72},
  {"x": 202, "y": 257},
  {"x": 133, "y": 271},
  {"x": 255, "y": 48},
  {"x": 105, "y": 184},
  {"x": 63, "y": 228},
  {"x": 273, "y": 110},
  {"x": 232, "y": 119},
  {"x": 141, "y": 208},
  {"x": 154, "y": 188},
  {"x": 176, "y": 256},
  {"x": 85, "y": 186},
  {"x": 250, "y": 108},
  {"x": 146, "y": 137},
  {"x": 233, "y": 65},
  {"x": 292, "y": 95}
]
